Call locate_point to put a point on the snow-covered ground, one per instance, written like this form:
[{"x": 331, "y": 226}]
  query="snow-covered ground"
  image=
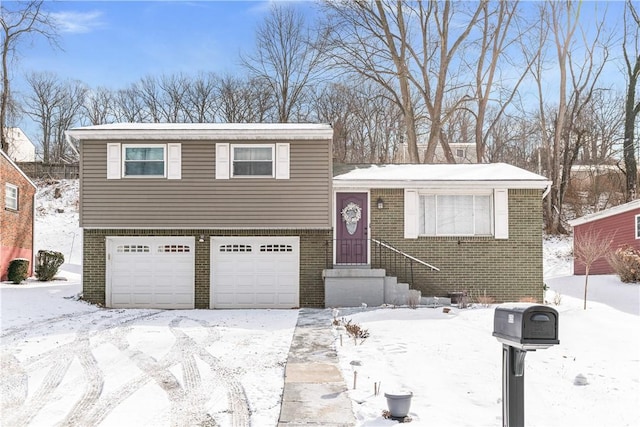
[{"x": 68, "y": 362}]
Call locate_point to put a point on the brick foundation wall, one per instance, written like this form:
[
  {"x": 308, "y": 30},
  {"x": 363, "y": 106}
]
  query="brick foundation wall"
[
  {"x": 312, "y": 260},
  {"x": 507, "y": 270}
]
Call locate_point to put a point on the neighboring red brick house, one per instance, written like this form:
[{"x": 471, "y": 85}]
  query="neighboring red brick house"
[
  {"x": 620, "y": 223},
  {"x": 16, "y": 215}
]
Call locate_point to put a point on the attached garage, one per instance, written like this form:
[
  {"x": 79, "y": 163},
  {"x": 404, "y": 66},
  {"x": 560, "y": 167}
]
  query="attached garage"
[
  {"x": 150, "y": 272},
  {"x": 255, "y": 272}
]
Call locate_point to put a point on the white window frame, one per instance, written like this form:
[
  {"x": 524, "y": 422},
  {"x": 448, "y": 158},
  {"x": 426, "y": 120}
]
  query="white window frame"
[
  {"x": 466, "y": 193},
  {"x": 164, "y": 159},
  {"x": 11, "y": 201},
  {"x": 273, "y": 160},
  {"x": 637, "y": 227}
]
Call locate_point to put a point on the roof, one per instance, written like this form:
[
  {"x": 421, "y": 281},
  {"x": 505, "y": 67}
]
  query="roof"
[
  {"x": 21, "y": 149},
  {"x": 616, "y": 210},
  {"x": 6, "y": 156},
  {"x": 202, "y": 131},
  {"x": 490, "y": 175}
]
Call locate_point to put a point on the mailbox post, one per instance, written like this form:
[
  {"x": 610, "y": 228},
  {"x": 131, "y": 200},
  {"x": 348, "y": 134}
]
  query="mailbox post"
[{"x": 520, "y": 328}]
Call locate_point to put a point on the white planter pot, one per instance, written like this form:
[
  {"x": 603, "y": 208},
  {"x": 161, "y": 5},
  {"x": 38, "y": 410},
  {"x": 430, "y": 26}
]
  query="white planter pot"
[{"x": 399, "y": 403}]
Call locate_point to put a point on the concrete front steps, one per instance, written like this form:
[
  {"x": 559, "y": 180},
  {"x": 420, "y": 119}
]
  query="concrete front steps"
[{"x": 356, "y": 287}]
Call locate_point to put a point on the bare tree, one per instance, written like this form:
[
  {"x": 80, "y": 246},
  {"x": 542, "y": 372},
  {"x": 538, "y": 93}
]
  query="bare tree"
[
  {"x": 55, "y": 106},
  {"x": 99, "y": 106},
  {"x": 286, "y": 58},
  {"x": 200, "y": 101},
  {"x": 27, "y": 19},
  {"x": 631, "y": 52},
  {"x": 129, "y": 106},
  {"x": 243, "y": 101},
  {"x": 499, "y": 29},
  {"x": 589, "y": 248},
  {"x": 561, "y": 124}
]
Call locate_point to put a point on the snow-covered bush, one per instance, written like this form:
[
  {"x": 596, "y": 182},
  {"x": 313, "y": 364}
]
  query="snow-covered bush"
[
  {"x": 625, "y": 261},
  {"x": 18, "y": 270},
  {"x": 47, "y": 264}
]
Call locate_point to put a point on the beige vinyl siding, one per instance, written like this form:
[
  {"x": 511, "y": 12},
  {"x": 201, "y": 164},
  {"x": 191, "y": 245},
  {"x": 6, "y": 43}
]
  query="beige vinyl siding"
[{"x": 199, "y": 200}]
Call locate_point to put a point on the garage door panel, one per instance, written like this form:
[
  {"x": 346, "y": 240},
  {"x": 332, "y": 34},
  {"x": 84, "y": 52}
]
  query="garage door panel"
[
  {"x": 255, "y": 272},
  {"x": 151, "y": 272}
]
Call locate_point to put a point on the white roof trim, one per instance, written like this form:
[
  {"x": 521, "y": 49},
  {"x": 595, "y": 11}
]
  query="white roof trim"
[
  {"x": 616, "y": 210},
  {"x": 203, "y": 131},
  {"x": 18, "y": 169},
  {"x": 441, "y": 184},
  {"x": 492, "y": 175}
]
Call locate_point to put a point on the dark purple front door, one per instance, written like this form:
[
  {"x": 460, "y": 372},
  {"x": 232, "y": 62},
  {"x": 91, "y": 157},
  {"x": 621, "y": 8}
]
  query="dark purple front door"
[{"x": 352, "y": 231}]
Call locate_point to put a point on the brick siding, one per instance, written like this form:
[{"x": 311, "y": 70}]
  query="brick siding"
[
  {"x": 312, "y": 260},
  {"x": 507, "y": 270},
  {"x": 16, "y": 239}
]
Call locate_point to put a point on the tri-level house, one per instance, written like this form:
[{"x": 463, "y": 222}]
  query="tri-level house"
[
  {"x": 251, "y": 216},
  {"x": 204, "y": 215}
]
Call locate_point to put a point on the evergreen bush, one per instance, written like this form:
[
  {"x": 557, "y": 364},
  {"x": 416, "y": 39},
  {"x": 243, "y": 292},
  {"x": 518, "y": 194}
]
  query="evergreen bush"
[
  {"x": 625, "y": 261},
  {"x": 18, "y": 270},
  {"x": 47, "y": 264}
]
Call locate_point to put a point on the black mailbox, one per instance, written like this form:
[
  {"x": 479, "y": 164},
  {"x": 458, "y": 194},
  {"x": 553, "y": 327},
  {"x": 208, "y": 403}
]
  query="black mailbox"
[{"x": 526, "y": 326}]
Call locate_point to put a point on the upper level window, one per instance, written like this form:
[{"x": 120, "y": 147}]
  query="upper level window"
[
  {"x": 11, "y": 197},
  {"x": 144, "y": 161},
  {"x": 455, "y": 215},
  {"x": 637, "y": 226},
  {"x": 460, "y": 152},
  {"x": 253, "y": 160}
]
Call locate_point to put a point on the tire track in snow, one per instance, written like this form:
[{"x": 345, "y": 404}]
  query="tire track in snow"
[
  {"x": 236, "y": 396},
  {"x": 59, "y": 359},
  {"x": 13, "y": 385}
]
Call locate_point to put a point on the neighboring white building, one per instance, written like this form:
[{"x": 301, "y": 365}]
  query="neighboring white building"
[
  {"x": 462, "y": 152},
  {"x": 21, "y": 149}
]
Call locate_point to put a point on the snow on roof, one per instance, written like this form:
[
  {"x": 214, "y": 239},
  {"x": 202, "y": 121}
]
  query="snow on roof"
[
  {"x": 616, "y": 210},
  {"x": 443, "y": 173},
  {"x": 162, "y": 131}
]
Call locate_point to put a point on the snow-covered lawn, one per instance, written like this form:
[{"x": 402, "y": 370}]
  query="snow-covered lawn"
[
  {"x": 453, "y": 365},
  {"x": 67, "y": 362}
]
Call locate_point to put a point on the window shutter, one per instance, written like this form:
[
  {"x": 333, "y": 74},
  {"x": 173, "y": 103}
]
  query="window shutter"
[
  {"x": 282, "y": 161},
  {"x": 174, "y": 161},
  {"x": 501, "y": 213},
  {"x": 222, "y": 161},
  {"x": 113, "y": 161},
  {"x": 411, "y": 214}
]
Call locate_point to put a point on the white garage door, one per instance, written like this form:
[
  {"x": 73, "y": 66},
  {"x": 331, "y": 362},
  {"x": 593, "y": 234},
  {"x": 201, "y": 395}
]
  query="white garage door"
[
  {"x": 150, "y": 272},
  {"x": 255, "y": 272}
]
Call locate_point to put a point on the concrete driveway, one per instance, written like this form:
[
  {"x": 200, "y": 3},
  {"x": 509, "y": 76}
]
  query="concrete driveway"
[{"x": 145, "y": 367}]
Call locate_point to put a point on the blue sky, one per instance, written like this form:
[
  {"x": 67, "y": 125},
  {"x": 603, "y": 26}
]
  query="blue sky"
[{"x": 115, "y": 43}]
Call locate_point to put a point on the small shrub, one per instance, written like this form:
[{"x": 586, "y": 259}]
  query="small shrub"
[
  {"x": 557, "y": 299},
  {"x": 355, "y": 331},
  {"x": 625, "y": 261},
  {"x": 18, "y": 270},
  {"x": 484, "y": 300},
  {"x": 413, "y": 299},
  {"x": 47, "y": 265}
]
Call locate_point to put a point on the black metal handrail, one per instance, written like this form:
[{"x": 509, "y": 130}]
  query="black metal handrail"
[{"x": 353, "y": 252}]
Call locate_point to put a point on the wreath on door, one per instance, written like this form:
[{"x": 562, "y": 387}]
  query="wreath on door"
[{"x": 351, "y": 214}]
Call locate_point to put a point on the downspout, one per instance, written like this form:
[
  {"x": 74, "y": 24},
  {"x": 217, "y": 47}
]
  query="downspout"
[
  {"x": 547, "y": 190},
  {"x": 69, "y": 140}
]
